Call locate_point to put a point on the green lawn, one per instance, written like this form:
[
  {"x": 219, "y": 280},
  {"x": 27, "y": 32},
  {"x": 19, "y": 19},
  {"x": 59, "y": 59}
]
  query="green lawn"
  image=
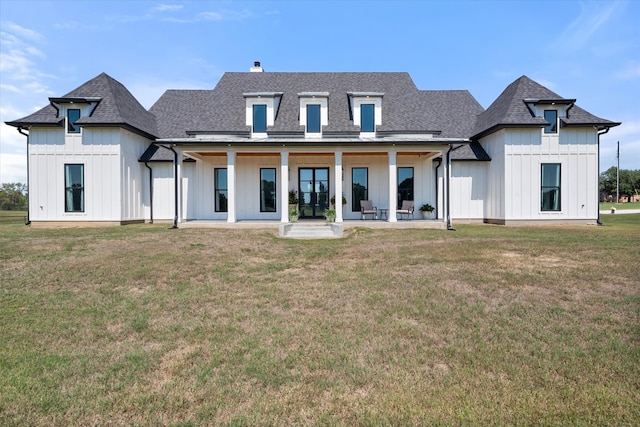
[
  {"x": 15, "y": 217},
  {"x": 608, "y": 206},
  {"x": 487, "y": 325}
]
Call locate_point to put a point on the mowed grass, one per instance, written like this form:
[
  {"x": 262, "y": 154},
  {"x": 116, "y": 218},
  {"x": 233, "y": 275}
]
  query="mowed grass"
[{"x": 487, "y": 325}]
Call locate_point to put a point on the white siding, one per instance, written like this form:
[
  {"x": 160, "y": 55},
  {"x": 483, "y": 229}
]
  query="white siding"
[
  {"x": 574, "y": 149},
  {"x": 132, "y": 175},
  {"x": 495, "y": 202},
  {"x": 468, "y": 189}
]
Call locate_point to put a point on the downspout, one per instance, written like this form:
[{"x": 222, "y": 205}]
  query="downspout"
[
  {"x": 439, "y": 160},
  {"x": 150, "y": 192},
  {"x": 598, "y": 190},
  {"x": 175, "y": 186},
  {"x": 28, "y": 220},
  {"x": 448, "y": 190}
]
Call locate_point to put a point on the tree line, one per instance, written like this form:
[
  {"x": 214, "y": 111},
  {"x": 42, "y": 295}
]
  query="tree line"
[
  {"x": 629, "y": 183},
  {"x": 13, "y": 196}
]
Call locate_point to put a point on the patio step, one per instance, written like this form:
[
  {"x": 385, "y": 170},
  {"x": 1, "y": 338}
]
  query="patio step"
[{"x": 311, "y": 231}]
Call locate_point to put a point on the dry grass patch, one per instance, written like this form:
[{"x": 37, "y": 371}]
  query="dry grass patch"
[{"x": 487, "y": 325}]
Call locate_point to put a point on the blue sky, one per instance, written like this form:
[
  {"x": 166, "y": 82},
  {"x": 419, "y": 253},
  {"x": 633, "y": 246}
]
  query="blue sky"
[{"x": 588, "y": 50}]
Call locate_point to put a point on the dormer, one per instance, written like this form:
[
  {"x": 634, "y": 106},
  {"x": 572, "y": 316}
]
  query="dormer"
[
  {"x": 314, "y": 112},
  {"x": 551, "y": 110},
  {"x": 365, "y": 109},
  {"x": 261, "y": 111},
  {"x": 73, "y": 109}
]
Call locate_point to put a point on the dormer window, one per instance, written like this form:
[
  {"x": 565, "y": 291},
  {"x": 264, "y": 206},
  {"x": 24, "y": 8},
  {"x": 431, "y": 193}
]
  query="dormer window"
[
  {"x": 314, "y": 112},
  {"x": 551, "y": 116},
  {"x": 73, "y": 115},
  {"x": 367, "y": 118},
  {"x": 313, "y": 118},
  {"x": 259, "y": 118},
  {"x": 365, "y": 109},
  {"x": 261, "y": 111}
]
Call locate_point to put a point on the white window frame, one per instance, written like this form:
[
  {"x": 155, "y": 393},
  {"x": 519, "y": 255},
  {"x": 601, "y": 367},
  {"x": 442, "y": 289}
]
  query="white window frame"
[
  {"x": 314, "y": 98},
  {"x": 359, "y": 98},
  {"x": 271, "y": 100}
]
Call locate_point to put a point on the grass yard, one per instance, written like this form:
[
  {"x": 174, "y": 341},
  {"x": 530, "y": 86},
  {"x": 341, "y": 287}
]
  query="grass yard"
[
  {"x": 623, "y": 206},
  {"x": 488, "y": 325}
]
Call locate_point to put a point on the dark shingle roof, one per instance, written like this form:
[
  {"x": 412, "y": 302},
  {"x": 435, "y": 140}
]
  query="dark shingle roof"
[
  {"x": 404, "y": 107},
  {"x": 510, "y": 109},
  {"x": 473, "y": 151},
  {"x": 116, "y": 106}
]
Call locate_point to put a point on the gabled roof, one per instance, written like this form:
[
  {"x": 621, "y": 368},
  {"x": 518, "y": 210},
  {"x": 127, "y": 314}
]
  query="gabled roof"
[
  {"x": 510, "y": 109},
  {"x": 116, "y": 106},
  {"x": 405, "y": 109}
]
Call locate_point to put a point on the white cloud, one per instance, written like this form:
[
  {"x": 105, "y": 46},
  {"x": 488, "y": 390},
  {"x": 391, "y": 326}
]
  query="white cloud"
[
  {"x": 593, "y": 15},
  {"x": 167, "y": 8},
  {"x": 23, "y": 32},
  {"x": 13, "y": 168}
]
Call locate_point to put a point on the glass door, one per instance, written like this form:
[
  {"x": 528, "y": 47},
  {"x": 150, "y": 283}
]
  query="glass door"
[{"x": 313, "y": 191}]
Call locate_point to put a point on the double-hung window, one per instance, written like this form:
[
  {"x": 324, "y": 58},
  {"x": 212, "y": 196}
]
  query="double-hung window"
[
  {"x": 73, "y": 115},
  {"x": 367, "y": 118},
  {"x": 359, "y": 187},
  {"x": 220, "y": 189},
  {"x": 73, "y": 188},
  {"x": 552, "y": 117},
  {"x": 405, "y": 185},
  {"x": 259, "y": 118},
  {"x": 268, "y": 202},
  {"x": 550, "y": 187}
]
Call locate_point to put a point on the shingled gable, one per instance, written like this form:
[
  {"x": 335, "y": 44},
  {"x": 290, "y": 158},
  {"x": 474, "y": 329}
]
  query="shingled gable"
[
  {"x": 405, "y": 109},
  {"x": 510, "y": 109},
  {"x": 116, "y": 106}
]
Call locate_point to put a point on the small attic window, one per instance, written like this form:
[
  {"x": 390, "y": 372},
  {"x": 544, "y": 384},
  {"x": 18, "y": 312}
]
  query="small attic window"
[
  {"x": 259, "y": 118},
  {"x": 73, "y": 115},
  {"x": 367, "y": 117},
  {"x": 365, "y": 109},
  {"x": 551, "y": 116}
]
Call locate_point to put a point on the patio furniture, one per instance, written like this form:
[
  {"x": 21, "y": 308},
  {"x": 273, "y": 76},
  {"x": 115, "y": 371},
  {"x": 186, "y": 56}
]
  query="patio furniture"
[
  {"x": 406, "y": 209},
  {"x": 367, "y": 208}
]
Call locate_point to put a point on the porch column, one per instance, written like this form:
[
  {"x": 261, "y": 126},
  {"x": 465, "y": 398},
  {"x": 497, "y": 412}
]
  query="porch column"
[
  {"x": 231, "y": 186},
  {"x": 393, "y": 186},
  {"x": 284, "y": 186},
  {"x": 179, "y": 160},
  {"x": 338, "y": 185}
]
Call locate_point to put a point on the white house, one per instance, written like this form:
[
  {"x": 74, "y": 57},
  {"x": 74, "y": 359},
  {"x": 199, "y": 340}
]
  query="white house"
[{"x": 235, "y": 152}]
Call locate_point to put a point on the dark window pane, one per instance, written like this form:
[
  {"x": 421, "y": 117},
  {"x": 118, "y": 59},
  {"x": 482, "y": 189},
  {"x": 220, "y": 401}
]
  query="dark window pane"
[
  {"x": 259, "y": 118},
  {"x": 220, "y": 185},
  {"x": 367, "y": 118},
  {"x": 405, "y": 185},
  {"x": 74, "y": 188},
  {"x": 268, "y": 202},
  {"x": 552, "y": 117},
  {"x": 72, "y": 116},
  {"x": 359, "y": 187},
  {"x": 313, "y": 118},
  {"x": 550, "y": 187}
]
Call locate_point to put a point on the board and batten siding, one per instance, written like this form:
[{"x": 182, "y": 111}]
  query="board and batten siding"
[
  {"x": 99, "y": 152},
  {"x": 468, "y": 189},
  {"x": 494, "y": 206},
  {"x": 574, "y": 149},
  {"x": 132, "y": 175}
]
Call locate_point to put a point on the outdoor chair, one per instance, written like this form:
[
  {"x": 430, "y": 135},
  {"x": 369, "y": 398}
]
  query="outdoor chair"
[
  {"x": 367, "y": 208},
  {"x": 406, "y": 209}
]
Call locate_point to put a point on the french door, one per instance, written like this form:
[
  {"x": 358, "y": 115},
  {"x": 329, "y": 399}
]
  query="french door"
[{"x": 313, "y": 191}]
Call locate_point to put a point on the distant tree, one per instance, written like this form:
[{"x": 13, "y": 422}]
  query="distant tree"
[
  {"x": 629, "y": 182},
  {"x": 13, "y": 196}
]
